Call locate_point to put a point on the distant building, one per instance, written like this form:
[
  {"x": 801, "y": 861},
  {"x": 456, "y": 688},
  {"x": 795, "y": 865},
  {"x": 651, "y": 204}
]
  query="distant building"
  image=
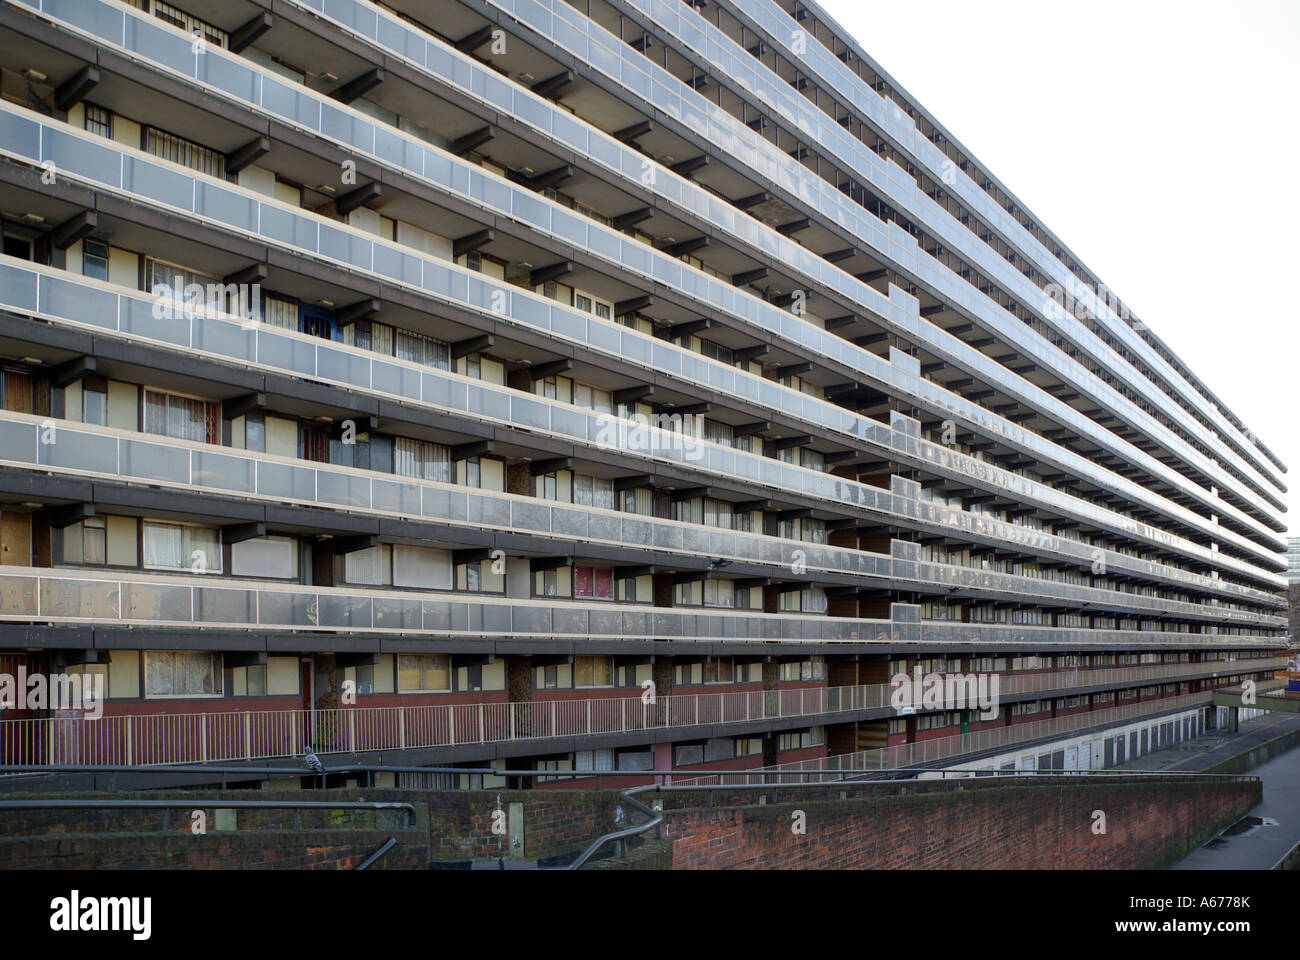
[{"x": 1293, "y": 559}]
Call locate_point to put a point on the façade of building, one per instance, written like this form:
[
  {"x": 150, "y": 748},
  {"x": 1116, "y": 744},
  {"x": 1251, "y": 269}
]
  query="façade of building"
[{"x": 607, "y": 386}]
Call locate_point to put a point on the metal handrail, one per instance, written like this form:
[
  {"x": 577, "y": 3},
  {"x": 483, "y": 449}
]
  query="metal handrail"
[
  {"x": 378, "y": 854},
  {"x": 263, "y": 734}
]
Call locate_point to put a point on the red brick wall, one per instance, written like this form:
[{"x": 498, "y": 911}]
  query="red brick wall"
[{"x": 984, "y": 827}]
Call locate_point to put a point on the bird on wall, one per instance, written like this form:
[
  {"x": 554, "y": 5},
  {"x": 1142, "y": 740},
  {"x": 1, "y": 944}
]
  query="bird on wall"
[{"x": 314, "y": 763}]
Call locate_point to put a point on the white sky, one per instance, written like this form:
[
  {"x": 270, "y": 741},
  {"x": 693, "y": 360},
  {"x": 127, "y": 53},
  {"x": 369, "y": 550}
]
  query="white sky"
[{"x": 1158, "y": 139}]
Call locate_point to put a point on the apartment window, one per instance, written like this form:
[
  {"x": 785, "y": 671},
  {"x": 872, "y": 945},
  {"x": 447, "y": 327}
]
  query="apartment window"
[
  {"x": 99, "y": 121},
  {"x": 718, "y": 514},
  {"x": 547, "y": 583},
  {"x": 171, "y": 546},
  {"x": 182, "y": 673},
  {"x": 596, "y": 583},
  {"x": 748, "y": 746},
  {"x": 593, "y": 671},
  {"x": 94, "y": 401},
  {"x": 548, "y": 487},
  {"x": 181, "y": 281},
  {"x": 802, "y": 739},
  {"x": 719, "y": 670},
  {"x": 593, "y": 491},
  {"x": 424, "y": 673},
  {"x": 593, "y": 398},
  {"x": 557, "y": 676},
  {"x": 280, "y": 312},
  {"x": 86, "y": 542},
  {"x": 593, "y": 760},
  {"x": 372, "y": 566},
  {"x": 190, "y": 24},
  {"x": 418, "y": 348},
  {"x": 719, "y": 593},
  {"x": 183, "y": 418},
  {"x": 806, "y": 670},
  {"x": 94, "y": 259},
  {"x": 187, "y": 153},
  {"x": 419, "y": 458},
  {"x": 720, "y": 433},
  {"x": 717, "y": 351}
]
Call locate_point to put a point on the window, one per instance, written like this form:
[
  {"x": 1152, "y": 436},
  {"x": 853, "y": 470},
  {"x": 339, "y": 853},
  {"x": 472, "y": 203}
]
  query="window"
[
  {"x": 474, "y": 576},
  {"x": 419, "y": 458},
  {"x": 547, "y": 583},
  {"x": 636, "y": 758},
  {"x": 593, "y": 671},
  {"x": 191, "y": 25},
  {"x": 86, "y": 542},
  {"x": 189, "y": 286},
  {"x": 557, "y": 676},
  {"x": 94, "y": 259},
  {"x": 372, "y": 566},
  {"x": 315, "y": 444},
  {"x": 596, "y": 583},
  {"x": 719, "y": 670},
  {"x": 418, "y": 348},
  {"x": 593, "y": 398},
  {"x": 802, "y": 739},
  {"x": 719, "y": 593},
  {"x": 805, "y": 670},
  {"x": 424, "y": 673},
  {"x": 183, "y": 418},
  {"x": 185, "y": 152},
  {"x": 99, "y": 121},
  {"x": 593, "y": 491},
  {"x": 182, "y": 673},
  {"x": 94, "y": 402},
  {"x": 280, "y": 312},
  {"x": 748, "y": 746},
  {"x": 593, "y": 760},
  {"x": 272, "y": 557},
  {"x": 169, "y": 546}
]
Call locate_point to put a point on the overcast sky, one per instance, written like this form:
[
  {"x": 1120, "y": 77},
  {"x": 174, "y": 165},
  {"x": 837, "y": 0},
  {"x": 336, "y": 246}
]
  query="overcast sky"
[{"x": 1159, "y": 140}]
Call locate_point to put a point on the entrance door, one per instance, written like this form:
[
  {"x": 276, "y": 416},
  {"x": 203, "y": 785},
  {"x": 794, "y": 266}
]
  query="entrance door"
[
  {"x": 15, "y": 539},
  {"x": 317, "y": 322}
]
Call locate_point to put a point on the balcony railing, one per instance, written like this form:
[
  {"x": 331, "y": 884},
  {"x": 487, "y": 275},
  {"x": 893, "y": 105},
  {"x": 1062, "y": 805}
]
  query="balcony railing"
[
  {"x": 267, "y": 734},
  {"x": 94, "y": 451},
  {"x": 979, "y": 741},
  {"x": 39, "y": 594}
]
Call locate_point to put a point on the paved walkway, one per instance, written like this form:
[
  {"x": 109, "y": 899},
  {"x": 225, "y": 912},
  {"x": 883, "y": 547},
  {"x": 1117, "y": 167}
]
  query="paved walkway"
[{"x": 1273, "y": 826}]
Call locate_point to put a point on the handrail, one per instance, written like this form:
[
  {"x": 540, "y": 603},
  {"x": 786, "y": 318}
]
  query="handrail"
[
  {"x": 263, "y": 734},
  {"x": 378, "y": 854}
]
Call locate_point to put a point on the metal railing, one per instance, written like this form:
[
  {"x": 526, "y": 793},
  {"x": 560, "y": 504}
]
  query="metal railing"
[{"x": 265, "y": 734}]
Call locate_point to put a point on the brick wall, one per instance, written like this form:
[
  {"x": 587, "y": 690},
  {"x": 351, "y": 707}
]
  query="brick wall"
[
  {"x": 1148, "y": 825},
  {"x": 262, "y": 839},
  {"x": 556, "y": 822}
]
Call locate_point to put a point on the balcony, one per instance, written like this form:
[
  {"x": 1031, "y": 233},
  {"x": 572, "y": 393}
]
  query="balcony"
[{"x": 268, "y": 734}]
